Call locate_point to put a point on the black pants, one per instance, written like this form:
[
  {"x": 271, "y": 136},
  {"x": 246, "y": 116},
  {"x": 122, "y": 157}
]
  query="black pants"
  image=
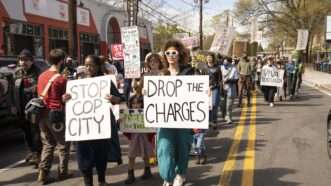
[
  {"x": 31, "y": 135},
  {"x": 269, "y": 93},
  {"x": 92, "y": 154}
]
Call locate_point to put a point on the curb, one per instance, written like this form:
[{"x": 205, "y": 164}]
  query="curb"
[{"x": 317, "y": 86}]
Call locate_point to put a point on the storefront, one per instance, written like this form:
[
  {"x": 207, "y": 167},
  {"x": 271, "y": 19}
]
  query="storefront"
[{"x": 42, "y": 25}]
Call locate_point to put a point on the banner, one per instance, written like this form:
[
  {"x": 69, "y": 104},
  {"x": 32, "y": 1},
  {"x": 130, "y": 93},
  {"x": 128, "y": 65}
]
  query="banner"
[
  {"x": 176, "y": 102},
  {"x": 131, "y": 48},
  {"x": 88, "y": 112},
  {"x": 55, "y": 10},
  {"x": 132, "y": 121},
  {"x": 302, "y": 39},
  {"x": 328, "y": 28},
  {"x": 272, "y": 77},
  {"x": 190, "y": 42},
  {"x": 223, "y": 40},
  {"x": 117, "y": 51}
]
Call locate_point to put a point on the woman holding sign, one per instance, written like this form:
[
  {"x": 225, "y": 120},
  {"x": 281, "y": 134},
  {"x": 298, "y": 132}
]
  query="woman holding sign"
[
  {"x": 92, "y": 153},
  {"x": 269, "y": 91},
  {"x": 173, "y": 145}
]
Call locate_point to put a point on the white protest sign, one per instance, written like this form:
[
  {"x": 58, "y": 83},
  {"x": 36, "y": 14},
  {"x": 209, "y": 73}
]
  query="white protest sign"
[
  {"x": 88, "y": 112},
  {"x": 132, "y": 121},
  {"x": 131, "y": 49},
  {"x": 302, "y": 39},
  {"x": 272, "y": 77},
  {"x": 223, "y": 40},
  {"x": 190, "y": 42},
  {"x": 176, "y": 102},
  {"x": 328, "y": 28}
]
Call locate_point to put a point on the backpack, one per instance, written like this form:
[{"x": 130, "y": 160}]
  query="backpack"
[{"x": 36, "y": 106}]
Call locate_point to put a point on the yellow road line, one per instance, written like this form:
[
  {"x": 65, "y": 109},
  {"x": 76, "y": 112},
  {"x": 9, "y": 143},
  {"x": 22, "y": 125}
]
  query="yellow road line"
[
  {"x": 230, "y": 162},
  {"x": 249, "y": 162}
]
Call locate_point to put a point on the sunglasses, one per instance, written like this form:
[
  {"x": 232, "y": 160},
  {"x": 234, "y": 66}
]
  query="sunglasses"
[{"x": 171, "y": 53}]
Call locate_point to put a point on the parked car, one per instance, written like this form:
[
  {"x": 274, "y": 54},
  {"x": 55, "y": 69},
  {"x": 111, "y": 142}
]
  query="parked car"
[{"x": 7, "y": 85}]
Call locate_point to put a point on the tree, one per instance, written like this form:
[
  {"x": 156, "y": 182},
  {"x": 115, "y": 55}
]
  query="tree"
[
  {"x": 283, "y": 18},
  {"x": 162, "y": 33}
]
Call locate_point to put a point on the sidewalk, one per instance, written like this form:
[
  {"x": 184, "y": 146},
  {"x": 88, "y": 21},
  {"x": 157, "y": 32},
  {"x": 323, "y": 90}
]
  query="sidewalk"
[{"x": 318, "y": 79}]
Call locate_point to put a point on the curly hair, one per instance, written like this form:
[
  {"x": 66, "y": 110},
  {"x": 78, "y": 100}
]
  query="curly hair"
[{"x": 180, "y": 48}]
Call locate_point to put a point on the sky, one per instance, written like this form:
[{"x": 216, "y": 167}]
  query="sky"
[{"x": 175, "y": 7}]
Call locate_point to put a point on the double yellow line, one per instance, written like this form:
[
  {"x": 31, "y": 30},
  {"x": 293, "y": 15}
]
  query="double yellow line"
[{"x": 249, "y": 161}]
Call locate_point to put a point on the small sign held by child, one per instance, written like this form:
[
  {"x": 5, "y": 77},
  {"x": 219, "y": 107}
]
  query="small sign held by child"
[{"x": 132, "y": 121}]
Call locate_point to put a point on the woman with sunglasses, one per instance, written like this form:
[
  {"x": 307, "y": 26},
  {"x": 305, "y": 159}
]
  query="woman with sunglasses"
[{"x": 173, "y": 145}]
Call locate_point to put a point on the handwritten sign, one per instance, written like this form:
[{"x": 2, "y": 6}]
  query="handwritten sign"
[
  {"x": 117, "y": 51},
  {"x": 328, "y": 28},
  {"x": 176, "y": 101},
  {"x": 131, "y": 48},
  {"x": 223, "y": 40},
  {"x": 88, "y": 112},
  {"x": 272, "y": 77},
  {"x": 132, "y": 121}
]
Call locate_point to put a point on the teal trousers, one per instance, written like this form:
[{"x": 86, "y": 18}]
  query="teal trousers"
[{"x": 173, "y": 148}]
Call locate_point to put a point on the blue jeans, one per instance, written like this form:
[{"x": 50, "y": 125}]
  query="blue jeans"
[
  {"x": 199, "y": 142},
  {"x": 216, "y": 96}
]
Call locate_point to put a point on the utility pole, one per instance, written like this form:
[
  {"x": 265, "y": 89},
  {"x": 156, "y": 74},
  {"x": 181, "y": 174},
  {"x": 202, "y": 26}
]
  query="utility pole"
[
  {"x": 201, "y": 21},
  {"x": 73, "y": 29},
  {"x": 132, "y": 9}
]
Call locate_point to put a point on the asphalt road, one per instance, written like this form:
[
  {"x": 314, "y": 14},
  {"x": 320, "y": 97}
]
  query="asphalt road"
[{"x": 280, "y": 146}]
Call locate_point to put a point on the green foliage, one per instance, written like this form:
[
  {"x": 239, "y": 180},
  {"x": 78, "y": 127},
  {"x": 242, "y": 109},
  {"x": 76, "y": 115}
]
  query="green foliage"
[{"x": 162, "y": 33}]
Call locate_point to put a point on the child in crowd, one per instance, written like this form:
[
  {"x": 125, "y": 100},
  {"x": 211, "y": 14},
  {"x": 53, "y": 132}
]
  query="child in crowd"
[{"x": 140, "y": 144}]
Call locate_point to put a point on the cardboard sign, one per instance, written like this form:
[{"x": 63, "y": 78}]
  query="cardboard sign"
[
  {"x": 131, "y": 48},
  {"x": 223, "y": 40},
  {"x": 88, "y": 112},
  {"x": 132, "y": 121},
  {"x": 117, "y": 51},
  {"x": 272, "y": 77},
  {"x": 176, "y": 102},
  {"x": 302, "y": 39}
]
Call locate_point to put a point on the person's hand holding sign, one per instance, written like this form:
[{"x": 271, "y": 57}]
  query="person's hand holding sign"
[
  {"x": 113, "y": 99},
  {"x": 66, "y": 97}
]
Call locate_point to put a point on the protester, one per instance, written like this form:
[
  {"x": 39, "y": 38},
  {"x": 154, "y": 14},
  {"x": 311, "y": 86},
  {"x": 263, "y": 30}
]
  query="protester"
[
  {"x": 254, "y": 69},
  {"x": 52, "y": 124},
  {"x": 92, "y": 153},
  {"x": 153, "y": 64},
  {"x": 230, "y": 79},
  {"x": 26, "y": 76},
  {"x": 173, "y": 145},
  {"x": 258, "y": 71},
  {"x": 215, "y": 81},
  {"x": 291, "y": 79},
  {"x": 245, "y": 70},
  {"x": 281, "y": 91},
  {"x": 140, "y": 144},
  {"x": 269, "y": 91},
  {"x": 301, "y": 71}
]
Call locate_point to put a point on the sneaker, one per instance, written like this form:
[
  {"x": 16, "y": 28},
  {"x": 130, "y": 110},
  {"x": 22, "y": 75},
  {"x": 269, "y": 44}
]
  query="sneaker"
[
  {"x": 165, "y": 183},
  {"x": 179, "y": 180},
  {"x": 272, "y": 105}
]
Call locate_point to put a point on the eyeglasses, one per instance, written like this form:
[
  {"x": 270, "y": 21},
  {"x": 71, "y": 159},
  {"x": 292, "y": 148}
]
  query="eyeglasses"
[{"x": 171, "y": 53}]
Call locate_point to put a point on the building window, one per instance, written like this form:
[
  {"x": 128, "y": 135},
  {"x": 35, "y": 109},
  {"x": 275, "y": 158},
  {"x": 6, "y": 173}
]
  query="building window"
[
  {"x": 58, "y": 39},
  {"x": 21, "y": 36},
  {"x": 89, "y": 44}
]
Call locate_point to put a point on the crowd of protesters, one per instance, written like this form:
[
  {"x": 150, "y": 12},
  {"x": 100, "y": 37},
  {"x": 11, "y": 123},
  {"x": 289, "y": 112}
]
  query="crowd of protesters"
[{"x": 229, "y": 79}]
